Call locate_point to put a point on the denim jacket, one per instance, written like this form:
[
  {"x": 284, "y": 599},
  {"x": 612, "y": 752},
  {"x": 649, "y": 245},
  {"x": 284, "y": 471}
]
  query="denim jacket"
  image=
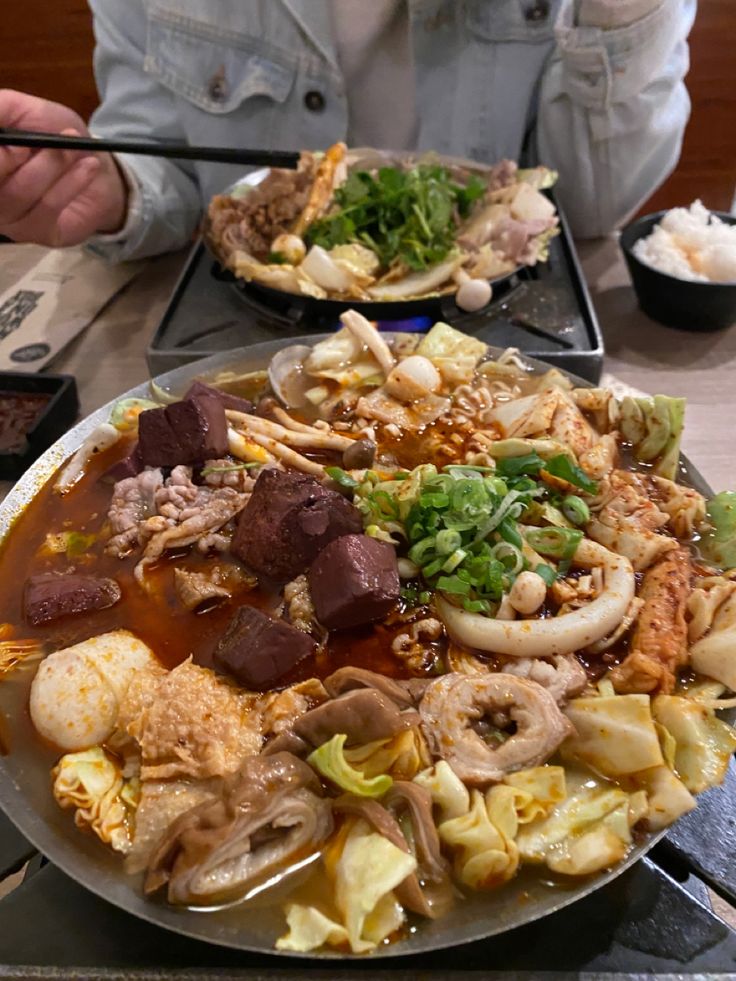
[{"x": 605, "y": 108}]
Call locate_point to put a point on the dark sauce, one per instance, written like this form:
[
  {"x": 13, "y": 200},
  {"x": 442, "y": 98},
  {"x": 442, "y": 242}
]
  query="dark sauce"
[
  {"x": 4, "y": 736},
  {"x": 19, "y": 412}
]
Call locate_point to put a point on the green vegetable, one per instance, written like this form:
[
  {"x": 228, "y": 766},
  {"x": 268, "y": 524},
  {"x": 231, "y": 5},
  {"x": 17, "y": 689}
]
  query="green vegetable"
[
  {"x": 559, "y": 543},
  {"x": 229, "y": 468},
  {"x": 719, "y": 544},
  {"x": 399, "y": 214},
  {"x": 277, "y": 259},
  {"x": 73, "y": 544},
  {"x": 654, "y": 426},
  {"x": 575, "y": 509},
  {"x": 563, "y": 468},
  {"x": 329, "y": 760},
  {"x": 514, "y": 466},
  {"x": 547, "y": 573},
  {"x": 341, "y": 477},
  {"x": 124, "y": 415}
]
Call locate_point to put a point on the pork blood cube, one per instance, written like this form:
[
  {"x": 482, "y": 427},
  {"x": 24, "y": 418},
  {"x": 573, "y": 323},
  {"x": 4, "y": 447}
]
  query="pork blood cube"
[
  {"x": 186, "y": 432},
  {"x": 199, "y": 389},
  {"x": 354, "y": 580},
  {"x": 257, "y": 650},
  {"x": 49, "y": 596},
  {"x": 288, "y": 520}
]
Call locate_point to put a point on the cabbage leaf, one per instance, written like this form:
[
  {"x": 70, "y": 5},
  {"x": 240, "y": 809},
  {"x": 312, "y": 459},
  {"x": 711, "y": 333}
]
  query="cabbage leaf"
[
  {"x": 92, "y": 783},
  {"x": 653, "y": 426},
  {"x": 714, "y": 655},
  {"x": 704, "y": 743},
  {"x": 718, "y": 544},
  {"x": 540, "y": 788},
  {"x": 484, "y": 857},
  {"x": 454, "y": 354},
  {"x": 447, "y": 790},
  {"x": 401, "y": 757},
  {"x": 614, "y": 735},
  {"x": 667, "y": 796},
  {"x": 588, "y": 831},
  {"x": 329, "y": 760}
]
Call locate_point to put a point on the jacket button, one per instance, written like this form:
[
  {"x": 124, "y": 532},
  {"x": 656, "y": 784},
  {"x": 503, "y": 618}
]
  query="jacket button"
[
  {"x": 537, "y": 10},
  {"x": 217, "y": 85},
  {"x": 314, "y": 101}
]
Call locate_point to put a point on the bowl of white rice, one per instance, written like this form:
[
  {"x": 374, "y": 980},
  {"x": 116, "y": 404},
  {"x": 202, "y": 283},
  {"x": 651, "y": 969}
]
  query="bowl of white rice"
[{"x": 683, "y": 266}]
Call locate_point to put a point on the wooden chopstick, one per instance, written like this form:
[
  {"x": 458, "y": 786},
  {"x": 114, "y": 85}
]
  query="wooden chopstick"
[{"x": 178, "y": 151}]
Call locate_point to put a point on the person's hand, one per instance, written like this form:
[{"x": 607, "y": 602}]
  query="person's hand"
[{"x": 55, "y": 197}]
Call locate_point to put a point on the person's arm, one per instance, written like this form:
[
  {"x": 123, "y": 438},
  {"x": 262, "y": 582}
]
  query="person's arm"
[
  {"x": 613, "y": 105},
  {"x": 164, "y": 202}
]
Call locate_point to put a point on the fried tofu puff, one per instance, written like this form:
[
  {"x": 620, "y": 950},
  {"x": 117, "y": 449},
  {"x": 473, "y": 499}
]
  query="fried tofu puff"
[{"x": 76, "y": 694}]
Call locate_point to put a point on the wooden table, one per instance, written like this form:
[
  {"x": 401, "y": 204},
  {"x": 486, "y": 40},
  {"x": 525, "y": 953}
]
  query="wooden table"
[{"x": 110, "y": 356}]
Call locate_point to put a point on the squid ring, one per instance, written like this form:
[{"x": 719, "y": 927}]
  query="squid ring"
[{"x": 555, "y": 635}]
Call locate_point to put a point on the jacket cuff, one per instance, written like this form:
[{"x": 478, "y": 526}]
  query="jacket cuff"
[
  {"x": 134, "y": 214},
  {"x": 610, "y": 14},
  {"x": 604, "y": 67}
]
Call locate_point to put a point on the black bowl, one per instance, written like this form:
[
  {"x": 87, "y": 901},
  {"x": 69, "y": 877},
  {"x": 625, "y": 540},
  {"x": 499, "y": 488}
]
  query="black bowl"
[{"x": 672, "y": 301}]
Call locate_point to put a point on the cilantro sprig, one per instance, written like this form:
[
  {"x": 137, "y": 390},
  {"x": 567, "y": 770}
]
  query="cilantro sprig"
[{"x": 410, "y": 215}]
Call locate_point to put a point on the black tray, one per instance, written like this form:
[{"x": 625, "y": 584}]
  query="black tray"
[{"x": 59, "y": 414}]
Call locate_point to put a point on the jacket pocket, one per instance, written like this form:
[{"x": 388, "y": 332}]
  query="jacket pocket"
[
  {"x": 512, "y": 20},
  {"x": 216, "y": 72}
]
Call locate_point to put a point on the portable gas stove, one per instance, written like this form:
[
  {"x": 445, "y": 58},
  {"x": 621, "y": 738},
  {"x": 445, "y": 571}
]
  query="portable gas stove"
[{"x": 544, "y": 310}]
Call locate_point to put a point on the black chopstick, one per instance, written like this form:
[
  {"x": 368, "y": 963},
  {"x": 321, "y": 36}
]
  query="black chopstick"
[{"x": 178, "y": 151}]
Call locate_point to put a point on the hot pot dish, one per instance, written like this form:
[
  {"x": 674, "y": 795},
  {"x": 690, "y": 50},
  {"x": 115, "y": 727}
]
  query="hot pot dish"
[{"x": 373, "y": 631}]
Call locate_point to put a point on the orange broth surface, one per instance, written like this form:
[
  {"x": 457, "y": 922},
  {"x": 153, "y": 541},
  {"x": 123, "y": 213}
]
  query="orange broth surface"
[{"x": 155, "y": 615}]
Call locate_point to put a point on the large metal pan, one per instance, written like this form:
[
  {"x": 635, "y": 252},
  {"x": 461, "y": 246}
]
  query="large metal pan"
[
  {"x": 25, "y": 792},
  {"x": 441, "y": 307}
]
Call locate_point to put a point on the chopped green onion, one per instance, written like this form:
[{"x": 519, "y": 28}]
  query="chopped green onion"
[
  {"x": 508, "y": 531},
  {"x": 341, "y": 478},
  {"x": 546, "y": 572},
  {"x": 447, "y": 541},
  {"x": 229, "y": 468},
  {"x": 468, "y": 466},
  {"x": 560, "y": 543},
  {"x": 418, "y": 552},
  {"x": 432, "y": 569},
  {"x": 453, "y": 585},
  {"x": 504, "y": 551},
  {"x": 454, "y": 560},
  {"x": 575, "y": 509},
  {"x": 476, "y": 606},
  {"x": 563, "y": 468}
]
